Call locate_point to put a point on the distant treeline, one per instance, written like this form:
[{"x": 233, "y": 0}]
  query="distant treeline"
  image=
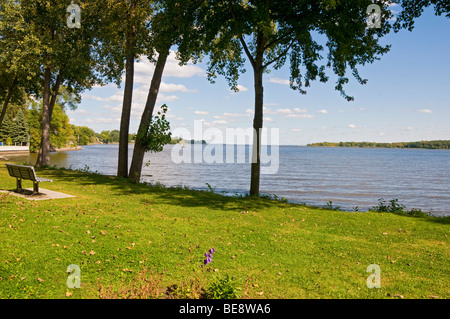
[
  {"x": 441, "y": 144},
  {"x": 180, "y": 140}
]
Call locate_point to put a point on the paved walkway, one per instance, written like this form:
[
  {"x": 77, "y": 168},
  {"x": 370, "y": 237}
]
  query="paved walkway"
[{"x": 42, "y": 195}]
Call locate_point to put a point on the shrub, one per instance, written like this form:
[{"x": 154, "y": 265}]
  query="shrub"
[
  {"x": 222, "y": 288},
  {"x": 395, "y": 207}
]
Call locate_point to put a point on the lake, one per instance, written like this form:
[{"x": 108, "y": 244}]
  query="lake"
[{"x": 349, "y": 177}]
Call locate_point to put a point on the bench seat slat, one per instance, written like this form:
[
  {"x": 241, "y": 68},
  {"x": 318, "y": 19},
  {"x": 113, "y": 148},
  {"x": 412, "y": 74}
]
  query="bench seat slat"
[{"x": 25, "y": 172}]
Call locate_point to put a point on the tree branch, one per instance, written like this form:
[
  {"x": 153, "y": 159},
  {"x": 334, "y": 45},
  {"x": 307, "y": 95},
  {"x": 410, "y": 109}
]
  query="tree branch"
[
  {"x": 241, "y": 39},
  {"x": 281, "y": 55},
  {"x": 278, "y": 40}
]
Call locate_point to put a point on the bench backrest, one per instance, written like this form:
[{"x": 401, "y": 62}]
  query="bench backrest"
[{"x": 21, "y": 171}]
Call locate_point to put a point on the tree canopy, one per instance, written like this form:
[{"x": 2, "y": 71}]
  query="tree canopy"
[{"x": 270, "y": 33}]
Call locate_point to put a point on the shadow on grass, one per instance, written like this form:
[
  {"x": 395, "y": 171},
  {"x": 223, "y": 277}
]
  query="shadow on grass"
[
  {"x": 176, "y": 196},
  {"x": 182, "y": 196}
]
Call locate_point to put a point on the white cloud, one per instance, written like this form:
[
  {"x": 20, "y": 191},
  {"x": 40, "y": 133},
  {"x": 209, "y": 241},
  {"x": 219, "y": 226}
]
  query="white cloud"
[
  {"x": 425, "y": 111},
  {"x": 167, "y": 98},
  {"x": 269, "y": 119},
  {"x": 170, "y": 87},
  {"x": 284, "y": 111},
  {"x": 322, "y": 112},
  {"x": 116, "y": 97},
  {"x": 352, "y": 126},
  {"x": 114, "y": 109},
  {"x": 296, "y": 130},
  {"x": 300, "y": 116},
  {"x": 200, "y": 113},
  {"x": 299, "y": 110},
  {"x": 143, "y": 70},
  {"x": 242, "y": 88},
  {"x": 279, "y": 81},
  {"x": 220, "y": 122},
  {"x": 232, "y": 114}
]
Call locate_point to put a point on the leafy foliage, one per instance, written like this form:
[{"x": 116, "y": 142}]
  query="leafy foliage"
[
  {"x": 223, "y": 288},
  {"x": 412, "y": 9},
  {"x": 157, "y": 133},
  {"x": 61, "y": 131},
  {"x": 395, "y": 207},
  {"x": 272, "y": 33}
]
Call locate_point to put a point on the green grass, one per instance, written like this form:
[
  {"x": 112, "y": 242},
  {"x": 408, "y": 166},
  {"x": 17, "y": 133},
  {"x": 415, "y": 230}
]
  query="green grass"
[{"x": 116, "y": 231}]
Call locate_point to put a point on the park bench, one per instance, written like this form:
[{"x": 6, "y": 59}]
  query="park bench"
[{"x": 21, "y": 172}]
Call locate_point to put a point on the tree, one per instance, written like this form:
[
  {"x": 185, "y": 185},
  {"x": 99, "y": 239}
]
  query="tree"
[
  {"x": 124, "y": 41},
  {"x": 84, "y": 135},
  {"x": 20, "y": 132},
  {"x": 61, "y": 132},
  {"x": 412, "y": 9},
  {"x": 268, "y": 33},
  {"x": 6, "y": 130},
  {"x": 172, "y": 24},
  {"x": 19, "y": 50},
  {"x": 67, "y": 56}
]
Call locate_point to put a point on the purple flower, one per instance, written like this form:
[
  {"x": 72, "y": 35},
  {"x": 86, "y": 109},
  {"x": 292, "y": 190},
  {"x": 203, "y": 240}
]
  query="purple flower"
[
  {"x": 207, "y": 261},
  {"x": 209, "y": 256}
]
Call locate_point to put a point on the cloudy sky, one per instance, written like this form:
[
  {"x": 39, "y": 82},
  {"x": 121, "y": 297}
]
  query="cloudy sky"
[{"x": 407, "y": 97}]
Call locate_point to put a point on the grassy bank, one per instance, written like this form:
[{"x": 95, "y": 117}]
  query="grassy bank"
[{"x": 135, "y": 240}]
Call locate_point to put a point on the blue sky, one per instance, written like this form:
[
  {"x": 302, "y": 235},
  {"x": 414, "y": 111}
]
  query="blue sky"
[{"x": 407, "y": 97}]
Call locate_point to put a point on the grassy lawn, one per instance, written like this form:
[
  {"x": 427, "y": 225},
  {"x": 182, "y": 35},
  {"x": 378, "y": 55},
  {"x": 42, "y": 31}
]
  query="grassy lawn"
[{"x": 125, "y": 237}]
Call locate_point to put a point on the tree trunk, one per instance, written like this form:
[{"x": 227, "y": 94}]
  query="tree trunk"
[
  {"x": 257, "y": 126},
  {"x": 48, "y": 104},
  {"x": 122, "y": 168},
  {"x": 258, "y": 71},
  {"x": 6, "y": 101},
  {"x": 54, "y": 95},
  {"x": 44, "y": 150},
  {"x": 139, "y": 148}
]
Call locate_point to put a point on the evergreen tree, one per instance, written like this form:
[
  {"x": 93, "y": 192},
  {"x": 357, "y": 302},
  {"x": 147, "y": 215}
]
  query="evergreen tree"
[
  {"x": 20, "y": 129},
  {"x": 6, "y": 130}
]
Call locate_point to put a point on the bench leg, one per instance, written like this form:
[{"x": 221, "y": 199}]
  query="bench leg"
[
  {"x": 35, "y": 188},
  {"x": 19, "y": 185}
]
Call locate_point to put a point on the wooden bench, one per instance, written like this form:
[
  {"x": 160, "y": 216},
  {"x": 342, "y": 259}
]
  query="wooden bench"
[{"x": 21, "y": 172}]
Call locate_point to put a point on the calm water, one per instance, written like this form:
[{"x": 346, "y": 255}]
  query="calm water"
[{"x": 348, "y": 177}]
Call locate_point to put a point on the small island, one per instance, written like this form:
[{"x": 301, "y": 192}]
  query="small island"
[{"x": 439, "y": 144}]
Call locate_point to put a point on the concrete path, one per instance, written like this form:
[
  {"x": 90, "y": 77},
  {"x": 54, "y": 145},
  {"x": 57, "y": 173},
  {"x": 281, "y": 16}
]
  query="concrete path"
[{"x": 42, "y": 195}]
